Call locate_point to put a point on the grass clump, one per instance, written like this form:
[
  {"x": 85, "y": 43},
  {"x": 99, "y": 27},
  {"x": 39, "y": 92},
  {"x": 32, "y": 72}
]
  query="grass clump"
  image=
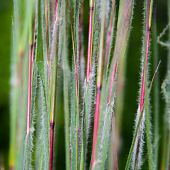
[{"x": 47, "y": 68}]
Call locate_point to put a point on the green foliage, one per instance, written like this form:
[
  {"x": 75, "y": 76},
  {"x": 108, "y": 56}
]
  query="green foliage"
[{"x": 48, "y": 32}]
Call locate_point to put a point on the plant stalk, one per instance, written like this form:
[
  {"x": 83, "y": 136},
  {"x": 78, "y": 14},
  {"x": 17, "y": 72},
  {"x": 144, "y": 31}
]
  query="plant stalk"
[
  {"x": 149, "y": 146},
  {"x": 99, "y": 86},
  {"x": 91, "y": 5},
  {"x": 53, "y": 88},
  {"x": 29, "y": 84},
  {"x": 109, "y": 32},
  {"x": 113, "y": 78},
  {"x": 47, "y": 38}
]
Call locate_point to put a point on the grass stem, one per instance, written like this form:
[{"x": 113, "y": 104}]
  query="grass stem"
[
  {"x": 111, "y": 22},
  {"x": 91, "y": 6},
  {"x": 53, "y": 86},
  {"x": 148, "y": 135},
  {"x": 98, "y": 86}
]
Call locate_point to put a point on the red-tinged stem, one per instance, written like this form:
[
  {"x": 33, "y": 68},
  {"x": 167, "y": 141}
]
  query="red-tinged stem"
[
  {"x": 56, "y": 10},
  {"x": 109, "y": 33},
  {"x": 143, "y": 81},
  {"x": 33, "y": 51},
  {"x": 112, "y": 79},
  {"x": 51, "y": 145},
  {"x": 153, "y": 78},
  {"x": 143, "y": 90},
  {"x": 96, "y": 123},
  {"x": 46, "y": 18},
  {"x": 149, "y": 13},
  {"x": 80, "y": 32},
  {"x": 89, "y": 43},
  {"x": 99, "y": 85},
  {"x": 53, "y": 100},
  {"x": 29, "y": 90}
]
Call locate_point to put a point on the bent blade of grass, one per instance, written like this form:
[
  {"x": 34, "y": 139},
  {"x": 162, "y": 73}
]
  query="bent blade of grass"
[{"x": 160, "y": 36}]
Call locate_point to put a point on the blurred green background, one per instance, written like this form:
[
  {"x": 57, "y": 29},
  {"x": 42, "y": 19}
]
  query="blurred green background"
[
  {"x": 6, "y": 9},
  {"x": 132, "y": 75}
]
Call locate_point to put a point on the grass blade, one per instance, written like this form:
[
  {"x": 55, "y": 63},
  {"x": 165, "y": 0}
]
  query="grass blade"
[
  {"x": 148, "y": 135},
  {"x": 133, "y": 141},
  {"x": 91, "y": 6},
  {"x": 156, "y": 95},
  {"x": 66, "y": 89}
]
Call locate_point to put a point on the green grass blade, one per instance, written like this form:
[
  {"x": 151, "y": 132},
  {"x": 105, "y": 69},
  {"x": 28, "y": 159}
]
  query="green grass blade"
[
  {"x": 110, "y": 37},
  {"x": 66, "y": 89},
  {"x": 127, "y": 167},
  {"x": 123, "y": 31},
  {"x": 39, "y": 57},
  {"x": 105, "y": 135},
  {"x": 22, "y": 109},
  {"x": 30, "y": 145},
  {"x": 148, "y": 131},
  {"x": 156, "y": 95},
  {"x": 89, "y": 98},
  {"x": 99, "y": 88},
  {"x": 45, "y": 128},
  {"x": 43, "y": 85},
  {"x": 73, "y": 125},
  {"x": 41, "y": 156},
  {"x": 14, "y": 96}
]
